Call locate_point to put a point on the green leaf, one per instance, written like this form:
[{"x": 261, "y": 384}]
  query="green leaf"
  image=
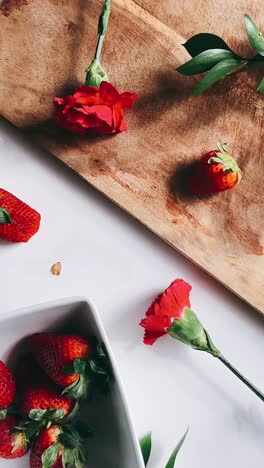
[
  {"x": 204, "y": 41},
  {"x": 3, "y": 413},
  {"x": 71, "y": 429},
  {"x": 79, "y": 365},
  {"x": 261, "y": 86},
  {"x": 205, "y": 61},
  {"x": 216, "y": 73},
  {"x": 37, "y": 414},
  {"x": 72, "y": 414},
  {"x": 77, "y": 461},
  {"x": 68, "y": 440},
  {"x": 145, "y": 445},
  {"x": 255, "y": 37},
  {"x": 72, "y": 389},
  {"x": 67, "y": 458},
  {"x": 222, "y": 147},
  {"x": 5, "y": 217},
  {"x": 49, "y": 457},
  {"x": 175, "y": 452},
  {"x": 101, "y": 351},
  {"x": 83, "y": 454},
  {"x": 32, "y": 429},
  {"x": 96, "y": 367},
  {"x": 81, "y": 388},
  {"x": 54, "y": 415}
]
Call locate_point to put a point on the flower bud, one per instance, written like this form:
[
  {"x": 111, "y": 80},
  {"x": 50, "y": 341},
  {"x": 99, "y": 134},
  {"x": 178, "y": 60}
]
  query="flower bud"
[
  {"x": 190, "y": 331},
  {"x": 95, "y": 74}
]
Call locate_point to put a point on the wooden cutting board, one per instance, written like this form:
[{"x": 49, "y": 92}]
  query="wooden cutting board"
[{"x": 46, "y": 46}]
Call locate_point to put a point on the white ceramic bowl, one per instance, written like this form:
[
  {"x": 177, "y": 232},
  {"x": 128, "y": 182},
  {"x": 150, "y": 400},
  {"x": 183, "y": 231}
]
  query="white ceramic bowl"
[{"x": 114, "y": 444}]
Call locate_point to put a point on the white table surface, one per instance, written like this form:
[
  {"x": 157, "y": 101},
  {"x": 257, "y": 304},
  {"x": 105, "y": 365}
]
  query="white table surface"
[{"x": 111, "y": 258}]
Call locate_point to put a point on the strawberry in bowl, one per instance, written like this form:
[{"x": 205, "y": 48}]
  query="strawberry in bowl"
[
  {"x": 39, "y": 398},
  {"x": 13, "y": 442},
  {"x": 71, "y": 361},
  {"x": 7, "y": 389}
]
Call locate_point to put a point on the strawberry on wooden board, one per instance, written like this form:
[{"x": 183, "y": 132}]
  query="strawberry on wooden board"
[
  {"x": 7, "y": 389},
  {"x": 18, "y": 221},
  {"x": 217, "y": 171},
  {"x": 39, "y": 398},
  {"x": 58, "y": 447},
  {"x": 69, "y": 360},
  {"x": 13, "y": 443}
]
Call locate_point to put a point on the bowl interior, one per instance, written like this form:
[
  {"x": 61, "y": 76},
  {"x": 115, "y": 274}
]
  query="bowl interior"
[{"x": 114, "y": 444}]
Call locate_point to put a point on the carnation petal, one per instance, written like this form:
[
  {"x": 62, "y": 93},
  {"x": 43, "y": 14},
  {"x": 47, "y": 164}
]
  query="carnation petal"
[
  {"x": 118, "y": 118},
  {"x": 100, "y": 112},
  {"x": 156, "y": 323},
  {"x": 174, "y": 299},
  {"x": 108, "y": 93},
  {"x": 150, "y": 337},
  {"x": 86, "y": 90},
  {"x": 104, "y": 113},
  {"x": 86, "y": 95},
  {"x": 58, "y": 102},
  {"x": 151, "y": 309},
  {"x": 155, "y": 327},
  {"x": 127, "y": 99}
]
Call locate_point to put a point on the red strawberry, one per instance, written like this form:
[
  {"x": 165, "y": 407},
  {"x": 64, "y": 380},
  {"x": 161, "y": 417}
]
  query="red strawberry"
[
  {"x": 18, "y": 222},
  {"x": 13, "y": 443},
  {"x": 7, "y": 389},
  {"x": 58, "y": 447},
  {"x": 71, "y": 362},
  {"x": 55, "y": 352},
  {"x": 217, "y": 171},
  {"x": 40, "y": 399},
  {"x": 47, "y": 439}
]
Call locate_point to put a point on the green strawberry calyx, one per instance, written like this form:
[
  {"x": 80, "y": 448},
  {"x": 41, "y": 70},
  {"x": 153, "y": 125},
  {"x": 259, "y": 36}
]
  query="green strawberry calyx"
[
  {"x": 3, "y": 413},
  {"x": 224, "y": 157},
  {"x": 19, "y": 441},
  {"x": 70, "y": 445},
  {"x": 5, "y": 217},
  {"x": 12, "y": 409},
  {"x": 39, "y": 419},
  {"x": 93, "y": 371}
]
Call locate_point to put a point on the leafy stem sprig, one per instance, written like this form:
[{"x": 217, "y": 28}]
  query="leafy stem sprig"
[
  {"x": 146, "y": 446},
  {"x": 211, "y": 54}
]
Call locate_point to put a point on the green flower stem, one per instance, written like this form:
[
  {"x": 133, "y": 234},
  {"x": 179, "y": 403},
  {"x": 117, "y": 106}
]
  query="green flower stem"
[
  {"x": 241, "y": 377},
  {"x": 99, "y": 47},
  {"x": 102, "y": 29}
]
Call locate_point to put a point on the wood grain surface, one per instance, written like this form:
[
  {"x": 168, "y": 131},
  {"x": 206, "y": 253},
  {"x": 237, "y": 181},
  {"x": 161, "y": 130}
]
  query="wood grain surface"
[{"x": 46, "y": 46}]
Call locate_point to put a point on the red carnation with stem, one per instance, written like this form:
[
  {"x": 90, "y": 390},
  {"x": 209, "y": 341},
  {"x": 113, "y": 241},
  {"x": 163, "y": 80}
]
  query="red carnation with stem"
[
  {"x": 96, "y": 108},
  {"x": 170, "y": 313}
]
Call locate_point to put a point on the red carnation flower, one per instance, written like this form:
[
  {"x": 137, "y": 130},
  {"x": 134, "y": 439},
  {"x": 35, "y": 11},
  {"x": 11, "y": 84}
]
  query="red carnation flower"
[
  {"x": 94, "y": 111},
  {"x": 166, "y": 307},
  {"x": 170, "y": 313}
]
